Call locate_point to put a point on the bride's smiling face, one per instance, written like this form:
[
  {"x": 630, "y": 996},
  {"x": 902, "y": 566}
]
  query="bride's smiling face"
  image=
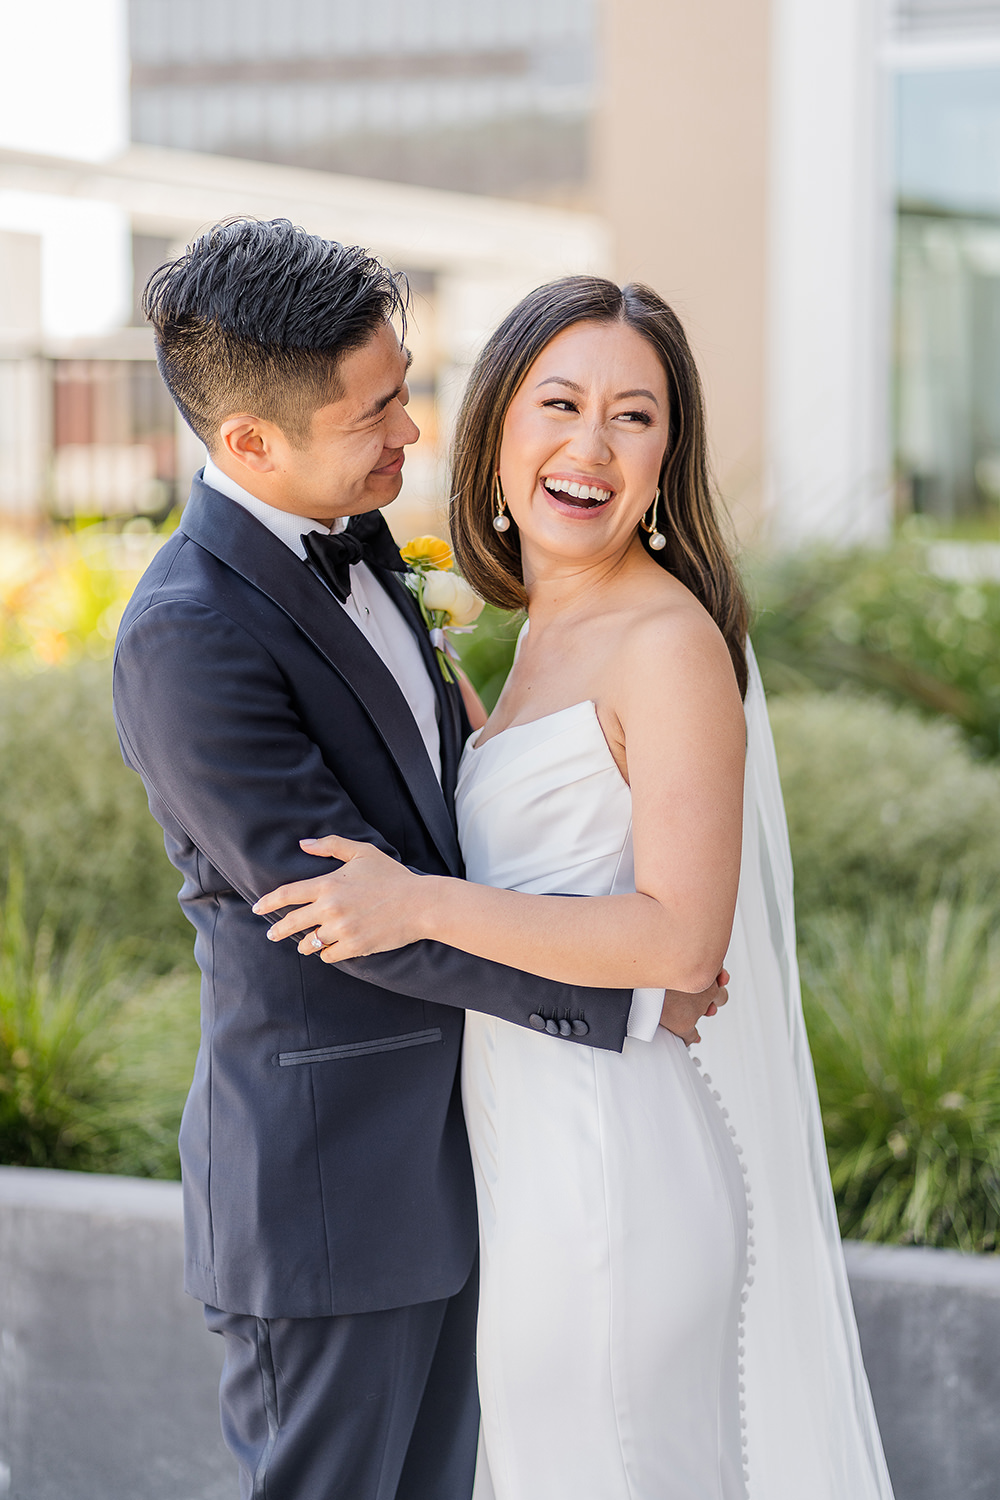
[{"x": 583, "y": 443}]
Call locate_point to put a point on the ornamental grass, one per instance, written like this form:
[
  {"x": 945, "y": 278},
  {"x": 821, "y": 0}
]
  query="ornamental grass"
[
  {"x": 903, "y": 1008},
  {"x": 95, "y": 1051}
]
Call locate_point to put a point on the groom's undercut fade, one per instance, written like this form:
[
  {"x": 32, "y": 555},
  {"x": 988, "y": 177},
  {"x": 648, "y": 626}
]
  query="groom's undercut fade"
[{"x": 256, "y": 316}]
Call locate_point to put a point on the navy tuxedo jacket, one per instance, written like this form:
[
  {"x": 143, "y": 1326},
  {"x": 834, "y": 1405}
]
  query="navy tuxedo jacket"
[{"x": 325, "y": 1163}]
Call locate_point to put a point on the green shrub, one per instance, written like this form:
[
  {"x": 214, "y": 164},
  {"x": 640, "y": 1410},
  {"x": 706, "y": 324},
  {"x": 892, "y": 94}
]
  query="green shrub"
[
  {"x": 154, "y": 1038},
  {"x": 55, "y": 1055},
  {"x": 95, "y": 1055},
  {"x": 902, "y": 1016},
  {"x": 76, "y": 819},
  {"x": 877, "y": 619},
  {"x": 488, "y": 651},
  {"x": 880, "y": 801}
]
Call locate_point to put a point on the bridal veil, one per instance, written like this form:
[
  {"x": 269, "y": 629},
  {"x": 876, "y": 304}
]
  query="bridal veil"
[{"x": 810, "y": 1423}]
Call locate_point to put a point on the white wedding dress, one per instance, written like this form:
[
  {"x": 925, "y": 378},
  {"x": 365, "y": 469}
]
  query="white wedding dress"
[{"x": 647, "y": 1329}]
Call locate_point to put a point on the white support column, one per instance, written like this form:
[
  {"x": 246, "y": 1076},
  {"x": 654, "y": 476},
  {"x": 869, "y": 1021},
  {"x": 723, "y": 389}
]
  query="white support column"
[
  {"x": 829, "y": 275},
  {"x": 25, "y": 424}
]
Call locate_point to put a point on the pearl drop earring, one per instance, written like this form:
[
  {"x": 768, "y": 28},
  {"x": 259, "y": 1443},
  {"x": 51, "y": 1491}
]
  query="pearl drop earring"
[
  {"x": 657, "y": 540},
  {"x": 501, "y": 521}
]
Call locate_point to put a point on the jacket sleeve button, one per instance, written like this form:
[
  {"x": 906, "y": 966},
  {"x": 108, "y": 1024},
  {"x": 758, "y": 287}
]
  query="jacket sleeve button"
[
  {"x": 537, "y": 1022},
  {"x": 552, "y": 1027},
  {"x": 565, "y": 1029},
  {"x": 580, "y": 1028}
]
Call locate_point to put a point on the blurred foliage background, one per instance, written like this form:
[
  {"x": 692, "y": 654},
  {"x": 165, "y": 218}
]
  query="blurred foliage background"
[{"x": 884, "y": 683}]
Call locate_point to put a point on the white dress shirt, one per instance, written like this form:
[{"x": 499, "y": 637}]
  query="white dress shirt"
[{"x": 369, "y": 607}]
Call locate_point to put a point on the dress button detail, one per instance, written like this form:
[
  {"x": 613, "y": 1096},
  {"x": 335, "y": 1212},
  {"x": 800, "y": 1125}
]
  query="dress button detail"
[
  {"x": 565, "y": 1029},
  {"x": 552, "y": 1027},
  {"x": 579, "y": 1028},
  {"x": 716, "y": 1096},
  {"x": 537, "y": 1022}
]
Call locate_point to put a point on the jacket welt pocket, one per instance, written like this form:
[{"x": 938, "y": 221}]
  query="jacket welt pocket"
[{"x": 360, "y": 1049}]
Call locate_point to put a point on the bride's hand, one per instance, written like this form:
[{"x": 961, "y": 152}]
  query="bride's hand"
[
  {"x": 370, "y": 905},
  {"x": 682, "y": 1012}
]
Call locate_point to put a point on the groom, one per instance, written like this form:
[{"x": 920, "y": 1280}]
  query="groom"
[{"x": 273, "y": 681}]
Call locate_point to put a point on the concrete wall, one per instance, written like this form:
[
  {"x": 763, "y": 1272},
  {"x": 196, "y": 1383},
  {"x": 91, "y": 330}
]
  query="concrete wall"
[
  {"x": 108, "y": 1377},
  {"x": 930, "y": 1331}
]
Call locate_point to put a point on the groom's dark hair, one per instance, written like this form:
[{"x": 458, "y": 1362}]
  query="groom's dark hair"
[{"x": 256, "y": 316}]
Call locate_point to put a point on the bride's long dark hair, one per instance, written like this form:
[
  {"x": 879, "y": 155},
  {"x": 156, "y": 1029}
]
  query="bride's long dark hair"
[{"x": 696, "y": 552}]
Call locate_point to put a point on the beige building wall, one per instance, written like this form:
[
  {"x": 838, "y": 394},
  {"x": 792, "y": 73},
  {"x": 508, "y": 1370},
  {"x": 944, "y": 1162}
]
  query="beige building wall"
[{"x": 681, "y": 158}]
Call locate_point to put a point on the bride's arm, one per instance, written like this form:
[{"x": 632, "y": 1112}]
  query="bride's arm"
[{"x": 679, "y": 708}]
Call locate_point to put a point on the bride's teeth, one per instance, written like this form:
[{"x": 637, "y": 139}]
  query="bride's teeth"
[{"x": 577, "y": 491}]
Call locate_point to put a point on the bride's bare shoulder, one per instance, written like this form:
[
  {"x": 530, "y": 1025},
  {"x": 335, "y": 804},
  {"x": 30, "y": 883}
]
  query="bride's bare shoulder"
[{"x": 672, "y": 650}]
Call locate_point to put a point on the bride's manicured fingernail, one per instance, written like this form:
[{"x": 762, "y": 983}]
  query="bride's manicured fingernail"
[{"x": 303, "y": 842}]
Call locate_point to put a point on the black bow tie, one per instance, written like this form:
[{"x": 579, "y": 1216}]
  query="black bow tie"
[{"x": 366, "y": 539}]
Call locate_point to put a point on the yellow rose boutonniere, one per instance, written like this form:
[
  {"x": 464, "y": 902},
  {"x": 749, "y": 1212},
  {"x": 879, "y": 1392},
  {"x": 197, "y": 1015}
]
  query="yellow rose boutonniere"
[{"x": 445, "y": 600}]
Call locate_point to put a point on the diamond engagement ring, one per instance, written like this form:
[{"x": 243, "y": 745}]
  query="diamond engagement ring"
[{"x": 317, "y": 941}]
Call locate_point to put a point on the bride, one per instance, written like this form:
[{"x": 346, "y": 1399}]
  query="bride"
[{"x": 664, "y": 1310}]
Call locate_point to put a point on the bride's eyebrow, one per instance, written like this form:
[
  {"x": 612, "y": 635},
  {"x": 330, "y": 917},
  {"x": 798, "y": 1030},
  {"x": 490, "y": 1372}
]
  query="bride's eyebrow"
[{"x": 572, "y": 385}]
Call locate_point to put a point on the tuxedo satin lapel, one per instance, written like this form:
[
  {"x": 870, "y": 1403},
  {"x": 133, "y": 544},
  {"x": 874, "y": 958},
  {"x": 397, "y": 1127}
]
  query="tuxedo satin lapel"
[
  {"x": 448, "y": 694},
  {"x": 237, "y": 539}
]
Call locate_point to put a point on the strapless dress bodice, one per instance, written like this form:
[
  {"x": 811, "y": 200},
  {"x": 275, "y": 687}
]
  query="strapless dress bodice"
[{"x": 543, "y": 807}]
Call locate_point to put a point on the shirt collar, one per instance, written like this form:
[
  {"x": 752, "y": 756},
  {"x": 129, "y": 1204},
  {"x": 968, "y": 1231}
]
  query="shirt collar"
[{"x": 285, "y": 525}]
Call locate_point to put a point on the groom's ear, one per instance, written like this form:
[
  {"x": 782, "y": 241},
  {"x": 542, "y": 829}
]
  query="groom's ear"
[{"x": 252, "y": 442}]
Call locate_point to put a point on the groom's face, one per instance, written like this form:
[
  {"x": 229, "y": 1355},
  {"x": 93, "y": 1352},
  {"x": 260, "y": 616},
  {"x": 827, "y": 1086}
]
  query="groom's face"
[{"x": 352, "y": 458}]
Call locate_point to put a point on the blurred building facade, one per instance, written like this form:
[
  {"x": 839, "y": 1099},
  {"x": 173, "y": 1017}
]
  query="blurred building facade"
[
  {"x": 814, "y": 184},
  {"x": 476, "y": 97},
  {"x": 86, "y": 428},
  {"x": 945, "y": 60}
]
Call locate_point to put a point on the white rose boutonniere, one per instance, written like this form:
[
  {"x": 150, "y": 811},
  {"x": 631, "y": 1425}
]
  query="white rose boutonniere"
[{"x": 446, "y": 601}]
